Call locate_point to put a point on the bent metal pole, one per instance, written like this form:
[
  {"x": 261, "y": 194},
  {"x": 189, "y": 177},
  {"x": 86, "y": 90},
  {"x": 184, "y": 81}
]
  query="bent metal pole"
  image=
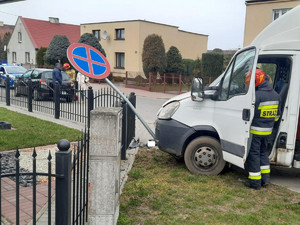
[{"x": 132, "y": 107}]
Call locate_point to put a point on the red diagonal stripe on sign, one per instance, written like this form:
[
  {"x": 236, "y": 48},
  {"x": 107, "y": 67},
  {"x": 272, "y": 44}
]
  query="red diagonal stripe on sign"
[{"x": 85, "y": 59}]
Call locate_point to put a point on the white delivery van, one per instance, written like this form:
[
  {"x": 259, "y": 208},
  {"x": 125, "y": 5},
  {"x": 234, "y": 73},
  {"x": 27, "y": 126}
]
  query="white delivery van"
[{"x": 211, "y": 126}]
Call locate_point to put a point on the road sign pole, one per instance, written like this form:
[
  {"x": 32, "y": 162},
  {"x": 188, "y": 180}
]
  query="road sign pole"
[
  {"x": 80, "y": 55},
  {"x": 132, "y": 107}
]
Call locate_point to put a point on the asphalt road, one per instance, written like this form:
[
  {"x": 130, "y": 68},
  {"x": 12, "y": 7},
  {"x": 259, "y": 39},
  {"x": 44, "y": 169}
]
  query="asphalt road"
[{"x": 148, "y": 107}]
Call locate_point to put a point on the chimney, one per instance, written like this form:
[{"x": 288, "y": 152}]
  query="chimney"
[
  {"x": 1, "y": 24},
  {"x": 53, "y": 20}
]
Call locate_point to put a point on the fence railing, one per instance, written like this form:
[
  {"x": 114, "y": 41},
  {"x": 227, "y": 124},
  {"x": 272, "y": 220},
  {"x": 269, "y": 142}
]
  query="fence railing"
[
  {"x": 80, "y": 183},
  {"x": 75, "y": 106},
  {"x": 34, "y": 174},
  {"x": 71, "y": 180}
]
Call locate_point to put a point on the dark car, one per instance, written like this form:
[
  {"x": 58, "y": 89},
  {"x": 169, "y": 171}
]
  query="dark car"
[{"x": 42, "y": 84}]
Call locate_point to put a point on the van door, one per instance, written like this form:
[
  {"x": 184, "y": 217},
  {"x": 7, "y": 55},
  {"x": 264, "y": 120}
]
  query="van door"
[{"x": 234, "y": 108}]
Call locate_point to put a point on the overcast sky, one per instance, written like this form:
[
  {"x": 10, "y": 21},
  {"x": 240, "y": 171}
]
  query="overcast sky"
[{"x": 222, "y": 20}]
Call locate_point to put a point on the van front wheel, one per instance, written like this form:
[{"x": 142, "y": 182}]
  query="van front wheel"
[{"x": 204, "y": 156}]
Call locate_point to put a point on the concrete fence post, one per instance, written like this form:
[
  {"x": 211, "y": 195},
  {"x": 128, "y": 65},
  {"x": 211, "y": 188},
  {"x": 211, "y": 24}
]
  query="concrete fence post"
[{"x": 105, "y": 159}]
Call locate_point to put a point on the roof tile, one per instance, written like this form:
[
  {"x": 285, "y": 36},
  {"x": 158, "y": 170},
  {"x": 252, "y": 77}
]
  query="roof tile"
[{"x": 41, "y": 32}]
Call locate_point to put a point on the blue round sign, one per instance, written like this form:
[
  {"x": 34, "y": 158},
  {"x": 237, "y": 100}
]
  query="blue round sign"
[{"x": 88, "y": 61}]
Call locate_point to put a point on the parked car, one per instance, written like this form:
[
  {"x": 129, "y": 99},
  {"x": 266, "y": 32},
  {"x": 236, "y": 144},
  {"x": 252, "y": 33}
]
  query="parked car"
[
  {"x": 12, "y": 71},
  {"x": 42, "y": 86}
]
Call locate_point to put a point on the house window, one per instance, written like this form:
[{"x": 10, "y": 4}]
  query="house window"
[
  {"x": 19, "y": 37},
  {"x": 96, "y": 33},
  {"x": 120, "y": 60},
  {"x": 279, "y": 12},
  {"x": 27, "y": 57},
  {"x": 120, "y": 34},
  {"x": 14, "y": 57}
]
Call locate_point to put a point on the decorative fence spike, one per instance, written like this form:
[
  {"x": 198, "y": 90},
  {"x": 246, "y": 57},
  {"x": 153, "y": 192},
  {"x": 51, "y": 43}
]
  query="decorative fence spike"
[
  {"x": 34, "y": 153},
  {"x": 17, "y": 155}
]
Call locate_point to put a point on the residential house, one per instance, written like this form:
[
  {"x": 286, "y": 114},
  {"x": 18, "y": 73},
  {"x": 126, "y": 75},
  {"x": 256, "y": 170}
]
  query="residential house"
[
  {"x": 123, "y": 42},
  {"x": 30, "y": 34},
  {"x": 260, "y": 13},
  {"x": 4, "y": 28}
]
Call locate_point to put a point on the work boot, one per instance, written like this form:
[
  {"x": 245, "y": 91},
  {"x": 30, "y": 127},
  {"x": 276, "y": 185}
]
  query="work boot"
[
  {"x": 265, "y": 179},
  {"x": 253, "y": 185}
]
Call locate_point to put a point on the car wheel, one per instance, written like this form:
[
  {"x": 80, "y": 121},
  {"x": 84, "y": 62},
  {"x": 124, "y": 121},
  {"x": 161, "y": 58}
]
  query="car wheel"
[
  {"x": 204, "y": 156},
  {"x": 36, "y": 95},
  {"x": 16, "y": 91}
]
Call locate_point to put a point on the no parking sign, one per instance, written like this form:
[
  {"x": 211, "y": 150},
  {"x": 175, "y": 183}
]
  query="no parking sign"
[
  {"x": 88, "y": 61},
  {"x": 92, "y": 63}
]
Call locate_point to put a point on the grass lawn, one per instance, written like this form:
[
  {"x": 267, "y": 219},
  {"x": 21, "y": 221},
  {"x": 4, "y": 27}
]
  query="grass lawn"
[
  {"x": 161, "y": 190},
  {"x": 29, "y": 131}
]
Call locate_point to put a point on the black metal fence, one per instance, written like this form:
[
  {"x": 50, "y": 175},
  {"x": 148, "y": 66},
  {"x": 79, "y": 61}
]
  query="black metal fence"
[
  {"x": 74, "y": 106},
  {"x": 80, "y": 183},
  {"x": 71, "y": 180}
]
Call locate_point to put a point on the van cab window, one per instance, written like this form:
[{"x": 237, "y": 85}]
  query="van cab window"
[
  {"x": 269, "y": 69},
  {"x": 225, "y": 84},
  {"x": 234, "y": 79}
]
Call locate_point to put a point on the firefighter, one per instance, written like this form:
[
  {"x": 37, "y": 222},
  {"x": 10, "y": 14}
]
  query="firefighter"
[
  {"x": 71, "y": 72},
  {"x": 267, "y": 111}
]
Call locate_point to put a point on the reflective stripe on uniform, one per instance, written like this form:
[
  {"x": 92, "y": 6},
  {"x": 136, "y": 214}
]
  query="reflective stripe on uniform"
[
  {"x": 254, "y": 176},
  {"x": 277, "y": 118},
  {"x": 265, "y": 171},
  {"x": 268, "y": 109},
  {"x": 268, "y": 104},
  {"x": 260, "y": 130},
  {"x": 265, "y": 167}
]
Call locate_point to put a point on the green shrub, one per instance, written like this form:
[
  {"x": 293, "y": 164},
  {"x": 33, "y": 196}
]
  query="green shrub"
[
  {"x": 154, "y": 55},
  {"x": 197, "y": 67},
  {"x": 57, "y": 50},
  {"x": 174, "y": 61},
  {"x": 91, "y": 40},
  {"x": 212, "y": 65},
  {"x": 41, "y": 56},
  {"x": 188, "y": 67}
]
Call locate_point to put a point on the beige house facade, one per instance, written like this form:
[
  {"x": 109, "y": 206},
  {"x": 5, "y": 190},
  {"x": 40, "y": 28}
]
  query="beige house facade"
[
  {"x": 260, "y": 13},
  {"x": 123, "y": 43}
]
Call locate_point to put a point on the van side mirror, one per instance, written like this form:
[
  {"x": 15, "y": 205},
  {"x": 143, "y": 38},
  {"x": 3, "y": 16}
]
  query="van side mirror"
[{"x": 197, "y": 91}]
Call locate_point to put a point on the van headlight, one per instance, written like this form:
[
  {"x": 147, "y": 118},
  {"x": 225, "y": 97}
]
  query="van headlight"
[{"x": 168, "y": 111}]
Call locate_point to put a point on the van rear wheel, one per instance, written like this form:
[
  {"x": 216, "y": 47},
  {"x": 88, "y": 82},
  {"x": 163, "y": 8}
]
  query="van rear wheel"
[{"x": 204, "y": 156}]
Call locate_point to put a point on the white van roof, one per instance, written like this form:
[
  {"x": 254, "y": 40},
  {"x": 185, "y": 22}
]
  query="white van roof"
[{"x": 281, "y": 34}]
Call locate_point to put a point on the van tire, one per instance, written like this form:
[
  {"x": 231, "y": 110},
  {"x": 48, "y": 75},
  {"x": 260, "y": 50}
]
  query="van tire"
[{"x": 204, "y": 156}]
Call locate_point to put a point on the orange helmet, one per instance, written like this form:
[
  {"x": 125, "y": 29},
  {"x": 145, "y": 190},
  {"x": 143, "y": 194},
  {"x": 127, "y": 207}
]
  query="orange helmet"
[
  {"x": 67, "y": 66},
  {"x": 259, "y": 77}
]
